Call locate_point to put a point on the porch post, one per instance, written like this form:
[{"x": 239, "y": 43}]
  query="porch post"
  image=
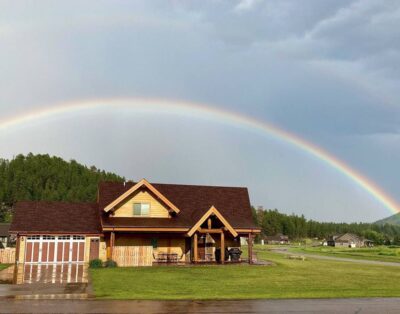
[
  {"x": 250, "y": 247},
  {"x": 222, "y": 247},
  {"x": 17, "y": 248},
  {"x": 112, "y": 243},
  {"x": 195, "y": 247}
]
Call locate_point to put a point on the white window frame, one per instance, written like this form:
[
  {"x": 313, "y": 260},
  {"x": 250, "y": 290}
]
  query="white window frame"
[{"x": 141, "y": 203}]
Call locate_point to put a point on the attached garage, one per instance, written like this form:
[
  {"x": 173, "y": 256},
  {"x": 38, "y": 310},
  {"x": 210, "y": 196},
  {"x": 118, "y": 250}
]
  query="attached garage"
[
  {"x": 55, "y": 249},
  {"x": 56, "y": 232}
]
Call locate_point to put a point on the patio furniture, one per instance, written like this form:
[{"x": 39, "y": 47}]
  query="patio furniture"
[{"x": 163, "y": 257}]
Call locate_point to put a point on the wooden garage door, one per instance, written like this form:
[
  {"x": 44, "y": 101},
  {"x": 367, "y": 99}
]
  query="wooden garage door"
[{"x": 53, "y": 249}]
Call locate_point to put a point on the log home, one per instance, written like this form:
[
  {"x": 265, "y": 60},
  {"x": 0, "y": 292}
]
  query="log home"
[{"x": 138, "y": 224}]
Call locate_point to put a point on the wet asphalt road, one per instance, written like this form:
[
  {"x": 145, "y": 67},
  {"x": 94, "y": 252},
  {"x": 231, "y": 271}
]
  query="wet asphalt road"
[{"x": 374, "y": 305}]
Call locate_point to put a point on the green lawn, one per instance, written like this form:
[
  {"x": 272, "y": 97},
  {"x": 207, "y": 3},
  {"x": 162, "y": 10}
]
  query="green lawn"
[
  {"x": 380, "y": 253},
  {"x": 4, "y": 266},
  {"x": 287, "y": 279}
]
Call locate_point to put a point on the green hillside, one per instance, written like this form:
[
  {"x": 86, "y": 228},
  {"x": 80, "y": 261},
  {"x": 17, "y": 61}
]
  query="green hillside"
[
  {"x": 392, "y": 220},
  {"x": 42, "y": 177}
]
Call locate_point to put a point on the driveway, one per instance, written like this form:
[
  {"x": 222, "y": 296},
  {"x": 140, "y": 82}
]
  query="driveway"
[
  {"x": 334, "y": 258},
  {"x": 376, "y": 305},
  {"x": 52, "y": 281}
]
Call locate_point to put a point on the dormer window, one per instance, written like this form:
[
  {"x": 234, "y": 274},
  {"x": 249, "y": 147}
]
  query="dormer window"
[{"x": 141, "y": 209}]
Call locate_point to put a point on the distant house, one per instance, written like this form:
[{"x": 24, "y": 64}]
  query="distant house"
[
  {"x": 348, "y": 240},
  {"x": 277, "y": 239},
  {"x": 4, "y": 235},
  {"x": 331, "y": 240}
]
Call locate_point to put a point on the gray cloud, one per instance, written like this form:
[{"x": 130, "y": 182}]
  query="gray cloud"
[{"x": 327, "y": 70}]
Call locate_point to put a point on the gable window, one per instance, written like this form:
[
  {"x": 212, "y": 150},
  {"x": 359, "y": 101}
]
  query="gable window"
[{"x": 141, "y": 209}]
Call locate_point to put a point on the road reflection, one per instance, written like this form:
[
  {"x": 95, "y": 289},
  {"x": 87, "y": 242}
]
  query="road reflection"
[{"x": 50, "y": 273}]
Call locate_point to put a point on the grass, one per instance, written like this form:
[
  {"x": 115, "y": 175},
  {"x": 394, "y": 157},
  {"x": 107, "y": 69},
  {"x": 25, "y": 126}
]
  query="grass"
[
  {"x": 287, "y": 279},
  {"x": 379, "y": 253},
  {"x": 4, "y": 266}
]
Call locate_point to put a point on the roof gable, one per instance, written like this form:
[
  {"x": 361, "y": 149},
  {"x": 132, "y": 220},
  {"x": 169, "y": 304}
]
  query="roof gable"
[
  {"x": 157, "y": 208},
  {"x": 348, "y": 237},
  {"x": 212, "y": 211},
  {"x": 135, "y": 188}
]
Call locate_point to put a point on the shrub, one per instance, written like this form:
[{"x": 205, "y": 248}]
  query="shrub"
[
  {"x": 96, "y": 263},
  {"x": 110, "y": 263}
]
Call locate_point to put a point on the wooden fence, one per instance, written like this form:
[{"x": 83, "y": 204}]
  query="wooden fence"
[
  {"x": 133, "y": 255},
  {"x": 7, "y": 256}
]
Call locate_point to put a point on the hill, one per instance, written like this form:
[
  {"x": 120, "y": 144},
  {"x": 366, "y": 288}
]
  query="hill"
[
  {"x": 392, "y": 220},
  {"x": 42, "y": 177}
]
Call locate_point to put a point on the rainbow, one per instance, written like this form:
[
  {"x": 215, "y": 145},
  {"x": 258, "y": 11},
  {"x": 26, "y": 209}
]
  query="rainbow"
[{"x": 207, "y": 112}]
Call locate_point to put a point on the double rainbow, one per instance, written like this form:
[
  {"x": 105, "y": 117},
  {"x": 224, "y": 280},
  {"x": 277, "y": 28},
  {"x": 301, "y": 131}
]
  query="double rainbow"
[{"x": 207, "y": 112}]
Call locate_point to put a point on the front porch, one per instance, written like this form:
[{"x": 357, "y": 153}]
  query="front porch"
[
  {"x": 219, "y": 246},
  {"x": 205, "y": 246},
  {"x": 212, "y": 239}
]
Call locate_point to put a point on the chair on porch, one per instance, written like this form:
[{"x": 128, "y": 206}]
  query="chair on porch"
[{"x": 163, "y": 257}]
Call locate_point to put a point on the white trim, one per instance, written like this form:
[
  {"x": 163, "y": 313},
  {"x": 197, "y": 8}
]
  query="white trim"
[
  {"x": 138, "y": 185},
  {"x": 59, "y": 243}
]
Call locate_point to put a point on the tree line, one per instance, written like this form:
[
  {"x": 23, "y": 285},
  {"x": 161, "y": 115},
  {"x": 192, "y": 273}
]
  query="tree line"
[
  {"x": 272, "y": 222},
  {"x": 42, "y": 177}
]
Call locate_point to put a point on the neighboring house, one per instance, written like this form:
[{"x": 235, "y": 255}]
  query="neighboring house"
[
  {"x": 136, "y": 224},
  {"x": 4, "y": 235},
  {"x": 368, "y": 243},
  {"x": 346, "y": 240},
  {"x": 331, "y": 240},
  {"x": 277, "y": 239}
]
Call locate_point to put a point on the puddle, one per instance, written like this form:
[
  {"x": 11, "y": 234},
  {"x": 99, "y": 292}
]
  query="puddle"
[{"x": 49, "y": 273}]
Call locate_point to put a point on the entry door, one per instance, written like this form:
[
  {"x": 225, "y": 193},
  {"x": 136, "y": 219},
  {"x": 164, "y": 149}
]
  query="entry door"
[{"x": 94, "y": 249}]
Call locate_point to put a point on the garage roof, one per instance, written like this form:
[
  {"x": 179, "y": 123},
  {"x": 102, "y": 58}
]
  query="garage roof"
[{"x": 56, "y": 217}]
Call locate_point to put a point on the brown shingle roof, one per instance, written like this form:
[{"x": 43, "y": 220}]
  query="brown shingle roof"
[
  {"x": 348, "y": 237},
  {"x": 192, "y": 200},
  {"x": 56, "y": 217}
]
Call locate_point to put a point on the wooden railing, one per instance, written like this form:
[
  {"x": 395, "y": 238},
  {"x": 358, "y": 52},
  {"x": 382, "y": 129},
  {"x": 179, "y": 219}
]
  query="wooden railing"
[
  {"x": 126, "y": 256},
  {"x": 7, "y": 256}
]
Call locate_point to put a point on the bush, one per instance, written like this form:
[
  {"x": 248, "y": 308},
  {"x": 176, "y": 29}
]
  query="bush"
[
  {"x": 110, "y": 263},
  {"x": 96, "y": 263}
]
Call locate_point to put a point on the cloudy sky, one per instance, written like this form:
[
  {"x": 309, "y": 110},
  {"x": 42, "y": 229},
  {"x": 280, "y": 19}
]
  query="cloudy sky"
[{"x": 327, "y": 71}]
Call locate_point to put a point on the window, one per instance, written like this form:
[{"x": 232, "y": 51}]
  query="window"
[
  {"x": 48, "y": 237},
  {"x": 76, "y": 237},
  {"x": 141, "y": 209}
]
